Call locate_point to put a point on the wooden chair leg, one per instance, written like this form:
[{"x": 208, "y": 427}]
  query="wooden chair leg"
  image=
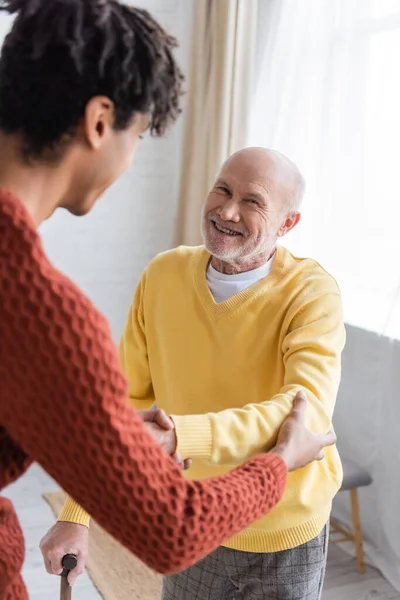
[{"x": 358, "y": 540}]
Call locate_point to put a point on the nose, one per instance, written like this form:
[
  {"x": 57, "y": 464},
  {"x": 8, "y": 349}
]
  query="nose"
[{"x": 229, "y": 211}]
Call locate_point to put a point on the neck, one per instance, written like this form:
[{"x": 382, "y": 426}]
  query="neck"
[
  {"x": 240, "y": 266},
  {"x": 39, "y": 187}
]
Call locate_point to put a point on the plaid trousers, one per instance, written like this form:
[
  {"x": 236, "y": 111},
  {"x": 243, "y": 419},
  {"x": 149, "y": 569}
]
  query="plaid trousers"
[{"x": 226, "y": 574}]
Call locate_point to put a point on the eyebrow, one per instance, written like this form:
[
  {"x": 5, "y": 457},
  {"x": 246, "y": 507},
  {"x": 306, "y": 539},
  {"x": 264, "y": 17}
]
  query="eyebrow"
[
  {"x": 253, "y": 195},
  {"x": 256, "y": 196},
  {"x": 221, "y": 182}
]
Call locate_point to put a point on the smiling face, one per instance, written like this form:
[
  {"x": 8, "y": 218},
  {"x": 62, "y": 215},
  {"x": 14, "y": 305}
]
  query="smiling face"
[{"x": 248, "y": 208}]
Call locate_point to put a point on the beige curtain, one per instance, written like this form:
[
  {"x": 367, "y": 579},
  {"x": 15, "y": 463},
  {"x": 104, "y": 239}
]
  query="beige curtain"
[{"x": 218, "y": 103}]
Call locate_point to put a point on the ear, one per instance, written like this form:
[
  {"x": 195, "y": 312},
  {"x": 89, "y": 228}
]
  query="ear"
[
  {"x": 291, "y": 221},
  {"x": 98, "y": 120}
]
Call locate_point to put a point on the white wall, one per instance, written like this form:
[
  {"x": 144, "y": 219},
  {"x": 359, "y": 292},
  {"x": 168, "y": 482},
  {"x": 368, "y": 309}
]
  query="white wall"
[
  {"x": 367, "y": 422},
  {"x": 105, "y": 252}
]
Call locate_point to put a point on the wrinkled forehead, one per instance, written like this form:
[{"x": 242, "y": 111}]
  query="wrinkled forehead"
[{"x": 264, "y": 174}]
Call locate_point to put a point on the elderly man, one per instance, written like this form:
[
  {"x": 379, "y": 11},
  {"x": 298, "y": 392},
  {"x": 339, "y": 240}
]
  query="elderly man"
[{"x": 221, "y": 337}]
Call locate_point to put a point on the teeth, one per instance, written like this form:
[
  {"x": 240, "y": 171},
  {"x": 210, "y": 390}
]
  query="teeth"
[{"x": 228, "y": 231}]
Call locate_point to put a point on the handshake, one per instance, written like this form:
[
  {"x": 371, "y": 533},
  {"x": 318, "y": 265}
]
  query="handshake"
[
  {"x": 296, "y": 445},
  {"x": 162, "y": 429}
]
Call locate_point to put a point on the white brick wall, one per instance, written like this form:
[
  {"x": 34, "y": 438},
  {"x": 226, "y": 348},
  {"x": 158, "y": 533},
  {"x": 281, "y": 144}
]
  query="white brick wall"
[{"x": 105, "y": 252}]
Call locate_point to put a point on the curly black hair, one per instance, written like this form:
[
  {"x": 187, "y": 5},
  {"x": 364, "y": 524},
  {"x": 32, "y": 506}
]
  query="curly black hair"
[{"x": 61, "y": 53}]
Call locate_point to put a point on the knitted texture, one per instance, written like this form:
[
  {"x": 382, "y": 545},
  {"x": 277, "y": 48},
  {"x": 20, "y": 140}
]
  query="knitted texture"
[
  {"x": 11, "y": 554},
  {"x": 64, "y": 403}
]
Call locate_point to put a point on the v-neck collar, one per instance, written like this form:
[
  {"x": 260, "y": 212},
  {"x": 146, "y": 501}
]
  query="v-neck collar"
[{"x": 240, "y": 300}]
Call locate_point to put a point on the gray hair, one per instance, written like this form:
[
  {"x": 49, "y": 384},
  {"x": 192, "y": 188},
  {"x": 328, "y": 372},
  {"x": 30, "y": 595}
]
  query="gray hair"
[
  {"x": 298, "y": 195},
  {"x": 290, "y": 172}
]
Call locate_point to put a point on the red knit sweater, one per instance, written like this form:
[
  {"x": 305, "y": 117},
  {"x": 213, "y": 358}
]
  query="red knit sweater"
[{"x": 64, "y": 404}]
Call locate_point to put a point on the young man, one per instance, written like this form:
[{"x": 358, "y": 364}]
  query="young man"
[{"x": 80, "y": 80}]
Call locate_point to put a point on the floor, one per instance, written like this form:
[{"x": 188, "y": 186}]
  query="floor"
[
  {"x": 342, "y": 581},
  {"x": 36, "y": 518}
]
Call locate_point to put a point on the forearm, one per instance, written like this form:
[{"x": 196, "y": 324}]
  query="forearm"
[
  {"x": 144, "y": 501},
  {"x": 69, "y": 412},
  {"x": 233, "y": 436},
  {"x": 311, "y": 352},
  {"x": 71, "y": 511}
]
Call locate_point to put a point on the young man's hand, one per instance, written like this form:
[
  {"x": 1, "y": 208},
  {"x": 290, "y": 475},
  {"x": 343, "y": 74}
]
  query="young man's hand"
[{"x": 296, "y": 444}]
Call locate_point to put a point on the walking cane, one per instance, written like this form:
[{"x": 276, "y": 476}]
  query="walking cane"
[{"x": 69, "y": 562}]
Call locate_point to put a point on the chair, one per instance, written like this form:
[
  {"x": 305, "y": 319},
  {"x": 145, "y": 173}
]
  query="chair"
[{"x": 354, "y": 477}]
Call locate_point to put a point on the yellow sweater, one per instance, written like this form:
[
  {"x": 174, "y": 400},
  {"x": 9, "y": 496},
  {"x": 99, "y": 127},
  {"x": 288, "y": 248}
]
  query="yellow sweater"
[{"x": 227, "y": 373}]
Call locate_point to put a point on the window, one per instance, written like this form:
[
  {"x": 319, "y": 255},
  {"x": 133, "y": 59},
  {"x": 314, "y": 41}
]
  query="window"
[{"x": 328, "y": 96}]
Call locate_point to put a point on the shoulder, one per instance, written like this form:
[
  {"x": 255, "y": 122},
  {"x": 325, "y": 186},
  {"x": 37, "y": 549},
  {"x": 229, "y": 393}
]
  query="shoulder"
[
  {"x": 33, "y": 284},
  {"x": 309, "y": 275},
  {"x": 16, "y": 225},
  {"x": 312, "y": 293},
  {"x": 176, "y": 260}
]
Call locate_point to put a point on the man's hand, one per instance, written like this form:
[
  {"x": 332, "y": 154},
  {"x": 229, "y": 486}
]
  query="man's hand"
[
  {"x": 61, "y": 539},
  {"x": 296, "y": 444},
  {"x": 165, "y": 437},
  {"x": 162, "y": 429},
  {"x": 157, "y": 416}
]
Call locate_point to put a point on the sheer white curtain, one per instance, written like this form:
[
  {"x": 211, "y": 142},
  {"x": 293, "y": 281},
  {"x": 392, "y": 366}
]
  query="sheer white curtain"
[{"x": 328, "y": 96}]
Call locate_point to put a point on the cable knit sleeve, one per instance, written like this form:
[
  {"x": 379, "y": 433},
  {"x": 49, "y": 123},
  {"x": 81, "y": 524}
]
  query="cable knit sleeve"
[{"x": 64, "y": 401}]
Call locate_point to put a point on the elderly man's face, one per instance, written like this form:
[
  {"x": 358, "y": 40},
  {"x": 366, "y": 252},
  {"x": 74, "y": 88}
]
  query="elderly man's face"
[{"x": 245, "y": 211}]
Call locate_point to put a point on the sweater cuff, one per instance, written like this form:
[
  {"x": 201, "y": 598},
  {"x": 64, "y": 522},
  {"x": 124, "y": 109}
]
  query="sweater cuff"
[
  {"x": 73, "y": 513},
  {"x": 278, "y": 465},
  {"x": 194, "y": 438}
]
